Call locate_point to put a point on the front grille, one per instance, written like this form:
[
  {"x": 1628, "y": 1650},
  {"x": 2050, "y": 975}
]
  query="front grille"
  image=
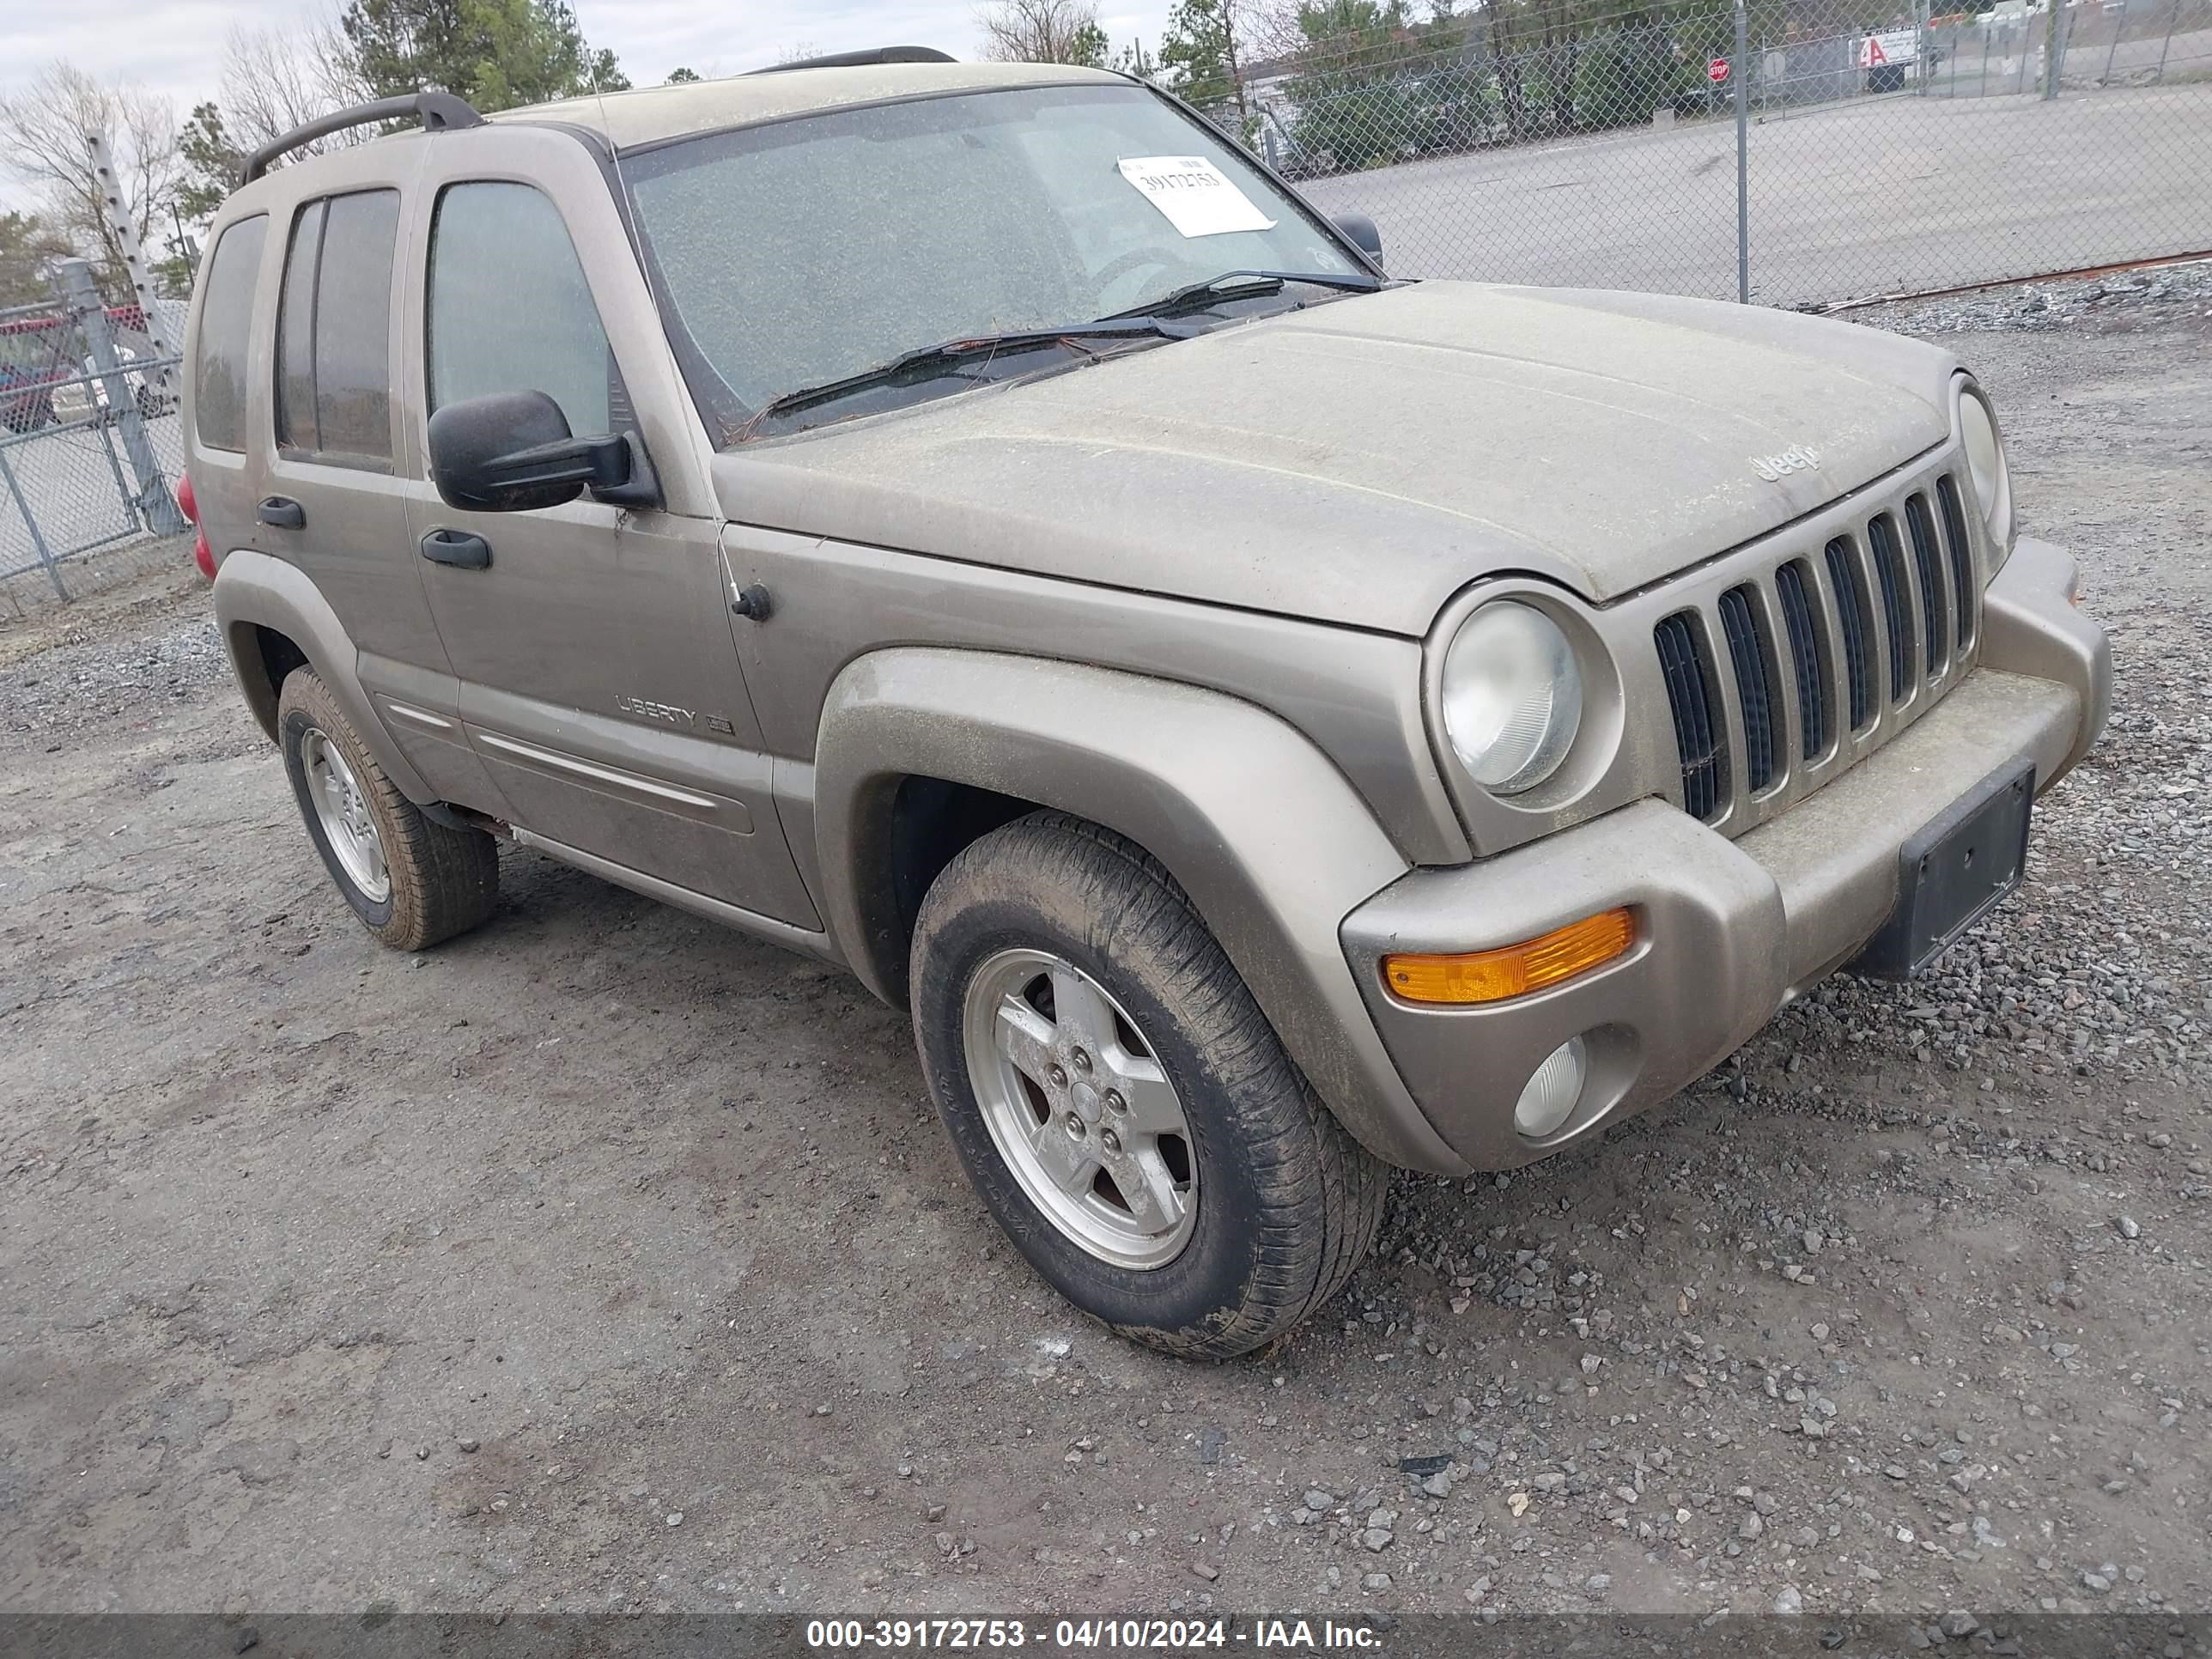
[
  {"x": 1754, "y": 688},
  {"x": 1699, "y": 726},
  {"x": 1760, "y": 675}
]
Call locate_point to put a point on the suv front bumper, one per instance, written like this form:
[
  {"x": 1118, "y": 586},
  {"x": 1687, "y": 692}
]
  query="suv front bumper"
[{"x": 1727, "y": 931}]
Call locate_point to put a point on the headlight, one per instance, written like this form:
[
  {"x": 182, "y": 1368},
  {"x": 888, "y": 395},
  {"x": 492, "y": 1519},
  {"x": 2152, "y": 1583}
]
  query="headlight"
[
  {"x": 1512, "y": 696},
  {"x": 1985, "y": 462}
]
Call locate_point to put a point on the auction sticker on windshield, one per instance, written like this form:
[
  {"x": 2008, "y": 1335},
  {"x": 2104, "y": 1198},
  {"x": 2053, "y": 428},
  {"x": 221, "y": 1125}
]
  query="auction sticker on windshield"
[{"x": 1198, "y": 198}]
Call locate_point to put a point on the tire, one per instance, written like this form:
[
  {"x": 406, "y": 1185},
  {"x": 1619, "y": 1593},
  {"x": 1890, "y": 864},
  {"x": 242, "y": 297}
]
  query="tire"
[
  {"x": 1282, "y": 1204},
  {"x": 435, "y": 881}
]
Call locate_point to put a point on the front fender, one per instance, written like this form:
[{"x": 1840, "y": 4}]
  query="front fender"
[
  {"x": 253, "y": 590},
  {"x": 1267, "y": 837}
]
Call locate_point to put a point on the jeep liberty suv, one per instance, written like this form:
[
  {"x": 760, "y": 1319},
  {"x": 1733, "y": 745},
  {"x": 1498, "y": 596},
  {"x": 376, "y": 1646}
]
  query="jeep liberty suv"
[{"x": 974, "y": 523}]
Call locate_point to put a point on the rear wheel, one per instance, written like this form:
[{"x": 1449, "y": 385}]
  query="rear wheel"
[
  {"x": 1120, "y": 1103},
  {"x": 411, "y": 880}
]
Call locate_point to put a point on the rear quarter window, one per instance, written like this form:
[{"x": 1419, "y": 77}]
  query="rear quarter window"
[
  {"x": 226, "y": 331},
  {"x": 334, "y": 330}
]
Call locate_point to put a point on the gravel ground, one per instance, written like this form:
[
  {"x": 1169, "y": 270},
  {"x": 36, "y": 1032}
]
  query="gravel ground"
[{"x": 605, "y": 1260}]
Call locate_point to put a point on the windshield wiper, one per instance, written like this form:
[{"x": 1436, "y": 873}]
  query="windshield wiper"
[
  {"x": 1236, "y": 285},
  {"x": 928, "y": 363}
]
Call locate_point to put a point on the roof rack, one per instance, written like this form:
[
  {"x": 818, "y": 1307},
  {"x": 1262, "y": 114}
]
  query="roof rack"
[
  {"x": 856, "y": 60},
  {"x": 437, "y": 111}
]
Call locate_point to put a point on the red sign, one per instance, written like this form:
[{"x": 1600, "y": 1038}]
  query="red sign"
[{"x": 1717, "y": 71}]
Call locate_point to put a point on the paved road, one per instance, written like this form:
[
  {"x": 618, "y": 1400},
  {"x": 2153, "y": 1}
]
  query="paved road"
[{"x": 1882, "y": 196}]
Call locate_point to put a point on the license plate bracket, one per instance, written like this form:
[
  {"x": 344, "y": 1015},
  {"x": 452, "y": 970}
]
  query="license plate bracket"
[{"x": 1952, "y": 870}]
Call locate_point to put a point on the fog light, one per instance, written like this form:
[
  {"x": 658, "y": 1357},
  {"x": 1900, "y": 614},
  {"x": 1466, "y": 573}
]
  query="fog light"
[{"x": 1552, "y": 1092}]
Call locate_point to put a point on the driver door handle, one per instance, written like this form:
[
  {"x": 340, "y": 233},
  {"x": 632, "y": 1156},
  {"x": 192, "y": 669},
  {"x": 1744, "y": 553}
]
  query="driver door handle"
[{"x": 457, "y": 548}]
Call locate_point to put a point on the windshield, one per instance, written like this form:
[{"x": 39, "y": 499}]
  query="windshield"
[{"x": 802, "y": 253}]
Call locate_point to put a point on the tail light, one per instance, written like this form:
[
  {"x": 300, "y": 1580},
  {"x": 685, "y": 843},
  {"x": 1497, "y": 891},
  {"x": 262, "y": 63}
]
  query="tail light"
[{"x": 202, "y": 555}]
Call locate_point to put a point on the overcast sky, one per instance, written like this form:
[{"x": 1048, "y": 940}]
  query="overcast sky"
[{"x": 176, "y": 46}]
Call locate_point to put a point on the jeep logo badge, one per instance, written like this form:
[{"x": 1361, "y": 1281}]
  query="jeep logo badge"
[{"x": 1795, "y": 458}]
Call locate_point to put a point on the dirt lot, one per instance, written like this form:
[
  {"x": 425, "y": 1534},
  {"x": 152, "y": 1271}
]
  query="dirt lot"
[{"x": 605, "y": 1260}]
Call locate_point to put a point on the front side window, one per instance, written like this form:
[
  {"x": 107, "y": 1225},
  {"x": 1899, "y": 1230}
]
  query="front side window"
[
  {"x": 801, "y": 252},
  {"x": 510, "y": 310},
  {"x": 334, "y": 330},
  {"x": 226, "y": 330}
]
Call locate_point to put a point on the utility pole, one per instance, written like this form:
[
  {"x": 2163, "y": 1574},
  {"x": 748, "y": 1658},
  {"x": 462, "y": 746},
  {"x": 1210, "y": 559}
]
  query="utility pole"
[
  {"x": 125, "y": 230},
  {"x": 1236, "y": 72},
  {"x": 2054, "y": 46}
]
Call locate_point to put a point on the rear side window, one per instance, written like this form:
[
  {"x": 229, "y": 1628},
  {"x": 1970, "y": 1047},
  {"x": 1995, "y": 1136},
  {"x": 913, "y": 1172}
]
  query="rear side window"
[
  {"x": 226, "y": 329},
  {"x": 510, "y": 310},
  {"x": 334, "y": 330}
]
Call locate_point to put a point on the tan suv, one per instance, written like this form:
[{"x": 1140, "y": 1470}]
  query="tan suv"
[{"x": 975, "y": 525}]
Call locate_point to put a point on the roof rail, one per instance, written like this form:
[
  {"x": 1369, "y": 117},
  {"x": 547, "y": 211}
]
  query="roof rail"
[
  {"x": 856, "y": 59},
  {"x": 437, "y": 111}
]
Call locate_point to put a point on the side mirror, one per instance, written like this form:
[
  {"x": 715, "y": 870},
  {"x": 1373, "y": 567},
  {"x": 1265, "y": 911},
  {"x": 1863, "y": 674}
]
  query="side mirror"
[
  {"x": 1360, "y": 230},
  {"x": 509, "y": 452}
]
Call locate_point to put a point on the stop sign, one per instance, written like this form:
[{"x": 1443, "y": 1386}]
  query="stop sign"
[{"x": 1717, "y": 71}]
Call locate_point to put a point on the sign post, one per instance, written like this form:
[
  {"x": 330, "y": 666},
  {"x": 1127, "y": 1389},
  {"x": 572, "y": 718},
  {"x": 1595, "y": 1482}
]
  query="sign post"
[{"x": 1743, "y": 158}]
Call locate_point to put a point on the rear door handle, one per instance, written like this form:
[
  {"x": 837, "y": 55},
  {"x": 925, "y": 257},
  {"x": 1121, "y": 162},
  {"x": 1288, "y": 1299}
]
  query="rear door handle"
[
  {"x": 457, "y": 548},
  {"x": 282, "y": 511}
]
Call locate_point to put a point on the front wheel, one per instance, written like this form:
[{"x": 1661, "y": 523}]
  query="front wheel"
[
  {"x": 1120, "y": 1103},
  {"x": 411, "y": 880}
]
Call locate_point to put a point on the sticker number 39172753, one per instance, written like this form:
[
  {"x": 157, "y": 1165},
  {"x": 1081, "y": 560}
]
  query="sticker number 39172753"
[{"x": 1198, "y": 198}]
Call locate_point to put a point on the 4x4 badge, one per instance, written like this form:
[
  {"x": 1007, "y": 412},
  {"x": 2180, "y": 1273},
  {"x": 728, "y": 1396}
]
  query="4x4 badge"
[{"x": 1795, "y": 458}]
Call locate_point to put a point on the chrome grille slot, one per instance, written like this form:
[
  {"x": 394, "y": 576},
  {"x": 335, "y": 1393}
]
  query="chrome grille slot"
[
  {"x": 1699, "y": 725},
  {"x": 1965, "y": 588},
  {"x": 1755, "y": 686},
  {"x": 1927, "y": 560},
  {"x": 1896, "y": 602},
  {"x": 1850, "y": 594},
  {"x": 1808, "y": 658}
]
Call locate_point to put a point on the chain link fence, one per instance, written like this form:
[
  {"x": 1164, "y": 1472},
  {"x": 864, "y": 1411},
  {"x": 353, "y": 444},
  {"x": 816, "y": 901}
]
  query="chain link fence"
[
  {"x": 90, "y": 453},
  {"x": 1881, "y": 150}
]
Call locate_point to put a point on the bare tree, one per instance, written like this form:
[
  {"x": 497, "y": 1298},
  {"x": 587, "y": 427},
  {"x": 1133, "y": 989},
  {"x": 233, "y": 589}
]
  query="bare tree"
[
  {"x": 42, "y": 134},
  {"x": 277, "y": 79},
  {"x": 1268, "y": 30},
  {"x": 1043, "y": 32}
]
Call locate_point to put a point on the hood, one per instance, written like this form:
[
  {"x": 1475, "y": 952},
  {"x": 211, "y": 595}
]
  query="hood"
[{"x": 1362, "y": 461}]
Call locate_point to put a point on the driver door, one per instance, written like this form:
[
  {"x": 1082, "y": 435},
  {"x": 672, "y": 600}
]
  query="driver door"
[{"x": 598, "y": 680}]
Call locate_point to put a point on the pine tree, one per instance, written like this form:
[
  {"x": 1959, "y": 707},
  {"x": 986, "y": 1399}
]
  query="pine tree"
[{"x": 495, "y": 53}]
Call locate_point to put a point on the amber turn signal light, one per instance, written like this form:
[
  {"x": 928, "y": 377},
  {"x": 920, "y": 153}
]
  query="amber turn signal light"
[{"x": 1513, "y": 970}]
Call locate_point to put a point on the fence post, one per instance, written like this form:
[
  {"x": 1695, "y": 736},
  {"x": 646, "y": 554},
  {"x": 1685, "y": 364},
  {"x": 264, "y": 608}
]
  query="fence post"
[
  {"x": 2052, "y": 49},
  {"x": 2173, "y": 17},
  {"x": 1742, "y": 156},
  {"x": 156, "y": 509},
  {"x": 31, "y": 522}
]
